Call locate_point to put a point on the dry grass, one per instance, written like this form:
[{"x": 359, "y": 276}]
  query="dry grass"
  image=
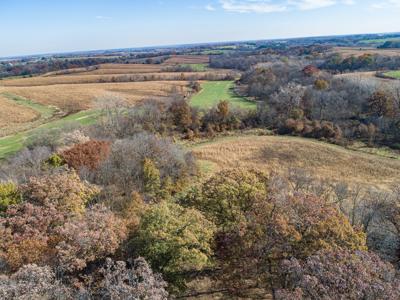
[
  {"x": 12, "y": 114},
  {"x": 83, "y": 78},
  {"x": 104, "y": 69},
  {"x": 82, "y": 96},
  {"x": 187, "y": 59},
  {"x": 270, "y": 153},
  {"x": 357, "y": 51}
]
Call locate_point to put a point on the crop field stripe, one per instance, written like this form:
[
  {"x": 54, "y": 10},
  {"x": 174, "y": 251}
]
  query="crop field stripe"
[{"x": 214, "y": 91}]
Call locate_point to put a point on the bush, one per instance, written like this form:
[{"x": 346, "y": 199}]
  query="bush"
[
  {"x": 88, "y": 155},
  {"x": 124, "y": 167},
  {"x": 90, "y": 237},
  {"x": 117, "y": 281},
  {"x": 28, "y": 234},
  {"x": 9, "y": 195},
  {"x": 174, "y": 240},
  {"x": 34, "y": 282},
  {"x": 65, "y": 190},
  {"x": 227, "y": 196},
  {"x": 339, "y": 275}
]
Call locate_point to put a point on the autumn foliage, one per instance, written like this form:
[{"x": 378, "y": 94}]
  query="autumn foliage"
[{"x": 88, "y": 155}]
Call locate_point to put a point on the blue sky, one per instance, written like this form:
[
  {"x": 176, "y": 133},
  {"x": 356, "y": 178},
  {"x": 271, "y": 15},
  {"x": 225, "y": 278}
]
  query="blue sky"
[{"x": 43, "y": 26}]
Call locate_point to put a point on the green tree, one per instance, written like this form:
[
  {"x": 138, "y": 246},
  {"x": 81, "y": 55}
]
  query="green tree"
[
  {"x": 9, "y": 195},
  {"x": 174, "y": 240},
  {"x": 151, "y": 177}
]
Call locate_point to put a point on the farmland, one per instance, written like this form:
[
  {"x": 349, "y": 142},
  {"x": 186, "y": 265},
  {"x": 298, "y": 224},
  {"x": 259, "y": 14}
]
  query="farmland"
[
  {"x": 393, "y": 74},
  {"x": 214, "y": 91},
  {"x": 357, "y": 51},
  {"x": 278, "y": 154},
  {"x": 14, "y": 143}
]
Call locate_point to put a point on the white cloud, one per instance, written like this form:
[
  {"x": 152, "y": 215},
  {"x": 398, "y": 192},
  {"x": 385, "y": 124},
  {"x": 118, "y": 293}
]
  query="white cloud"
[
  {"x": 386, "y": 4},
  {"x": 103, "y": 18},
  {"x": 270, "y": 6},
  {"x": 209, "y": 7},
  {"x": 255, "y": 6}
]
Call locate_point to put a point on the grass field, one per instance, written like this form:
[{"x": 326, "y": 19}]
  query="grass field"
[
  {"x": 357, "y": 51},
  {"x": 19, "y": 114},
  {"x": 197, "y": 67},
  {"x": 14, "y": 143},
  {"x": 380, "y": 41},
  {"x": 393, "y": 74},
  {"x": 187, "y": 59},
  {"x": 82, "y": 96},
  {"x": 278, "y": 153},
  {"x": 214, "y": 91}
]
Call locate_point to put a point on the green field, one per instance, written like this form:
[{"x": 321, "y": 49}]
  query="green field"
[
  {"x": 46, "y": 112},
  {"x": 196, "y": 67},
  {"x": 14, "y": 143},
  {"x": 380, "y": 41},
  {"x": 214, "y": 91},
  {"x": 393, "y": 74}
]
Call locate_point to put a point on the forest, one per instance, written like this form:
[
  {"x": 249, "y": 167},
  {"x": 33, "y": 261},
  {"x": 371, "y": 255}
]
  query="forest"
[{"x": 129, "y": 206}]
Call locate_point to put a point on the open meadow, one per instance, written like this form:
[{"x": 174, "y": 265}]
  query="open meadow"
[
  {"x": 357, "y": 51},
  {"x": 279, "y": 153},
  {"x": 213, "y": 92}
]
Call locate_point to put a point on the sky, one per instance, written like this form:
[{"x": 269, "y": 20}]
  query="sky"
[{"x": 48, "y": 26}]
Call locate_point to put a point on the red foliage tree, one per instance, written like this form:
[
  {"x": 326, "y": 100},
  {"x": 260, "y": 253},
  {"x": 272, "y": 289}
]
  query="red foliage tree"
[{"x": 88, "y": 155}]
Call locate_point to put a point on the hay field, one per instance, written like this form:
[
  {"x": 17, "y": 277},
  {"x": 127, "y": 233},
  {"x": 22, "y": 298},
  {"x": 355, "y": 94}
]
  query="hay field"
[
  {"x": 276, "y": 153},
  {"x": 13, "y": 114},
  {"x": 187, "y": 59},
  {"x": 82, "y": 96},
  {"x": 83, "y": 78},
  {"x": 357, "y": 51}
]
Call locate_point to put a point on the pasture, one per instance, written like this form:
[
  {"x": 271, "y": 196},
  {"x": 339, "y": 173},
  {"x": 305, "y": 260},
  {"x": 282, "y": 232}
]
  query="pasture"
[
  {"x": 357, "y": 51},
  {"x": 279, "y": 153},
  {"x": 213, "y": 92},
  {"x": 14, "y": 143},
  {"x": 393, "y": 74}
]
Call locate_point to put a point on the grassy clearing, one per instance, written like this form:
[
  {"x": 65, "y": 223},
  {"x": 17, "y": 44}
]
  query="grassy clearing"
[
  {"x": 393, "y": 74},
  {"x": 214, "y": 91},
  {"x": 197, "y": 67},
  {"x": 19, "y": 114},
  {"x": 14, "y": 143},
  {"x": 380, "y": 41},
  {"x": 46, "y": 112},
  {"x": 279, "y": 153}
]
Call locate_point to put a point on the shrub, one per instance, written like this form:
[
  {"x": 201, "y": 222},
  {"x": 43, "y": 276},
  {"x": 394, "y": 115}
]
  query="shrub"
[
  {"x": 174, "y": 240},
  {"x": 88, "y": 155},
  {"x": 64, "y": 190},
  {"x": 55, "y": 161},
  {"x": 9, "y": 195},
  {"x": 90, "y": 237},
  {"x": 339, "y": 275},
  {"x": 227, "y": 196},
  {"x": 34, "y": 282},
  {"x": 124, "y": 167},
  {"x": 28, "y": 234},
  {"x": 117, "y": 281}
]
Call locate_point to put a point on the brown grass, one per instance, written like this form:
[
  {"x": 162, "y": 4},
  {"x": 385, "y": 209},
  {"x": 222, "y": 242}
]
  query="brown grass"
[
  {"x": 187, "y": 59},
  {"x": 82, "y": 96},
  {"x": 270, "y": 153},
  {"x": 104, "y": 69},
  {"x": 357, "y": 51},
  {"x": 12, "y": 115},
  {"x": 83, "y": 78}
]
